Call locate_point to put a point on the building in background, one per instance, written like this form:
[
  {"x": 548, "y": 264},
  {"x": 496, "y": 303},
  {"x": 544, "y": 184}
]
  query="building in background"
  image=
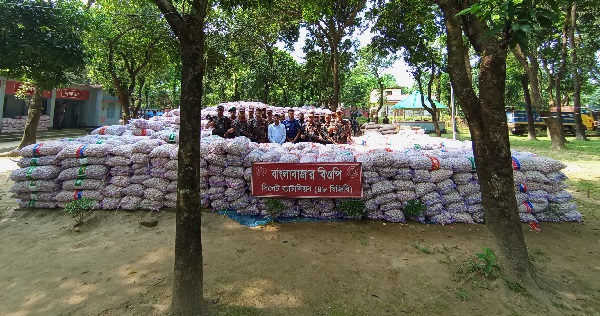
[
  {"x": 77, "y": 106},
  {"x": 390, "y": 98}
]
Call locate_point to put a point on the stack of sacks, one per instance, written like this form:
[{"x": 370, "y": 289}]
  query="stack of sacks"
[
  {"x": 146, "y": 191},
  {"x": 541, "y": 179},
  {"x": 83, "y": 171},
  {"x": 438, "y": 174},
  {"x": 163, "y": 171},
  {"x": 117, "y": 130},
  {"x": 17, "y": 125},
  {"x": 120, "y": 172},
  {"x": 384, "y": 129},
  {"x": 36, "y": 184}
]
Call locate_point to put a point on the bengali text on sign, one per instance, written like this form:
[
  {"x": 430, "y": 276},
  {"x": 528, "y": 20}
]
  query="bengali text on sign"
[{"x": 307, "y": 180}]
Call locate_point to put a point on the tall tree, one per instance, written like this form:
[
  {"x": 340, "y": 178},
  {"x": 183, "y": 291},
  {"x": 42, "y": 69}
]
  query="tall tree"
[
  {"x": 188, "y": 25},
  {"x": 490, "y": 30},
  {"x": 376, "y": 62},
  {"x": 333, "y": 21},
  {"x": 413, "y": 27},
  {"x": 41, "y": 45},
  {"x": 130, "y": 44}
]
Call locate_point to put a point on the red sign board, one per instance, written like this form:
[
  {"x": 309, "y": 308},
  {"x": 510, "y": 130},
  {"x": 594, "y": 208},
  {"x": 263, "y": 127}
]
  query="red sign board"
[
  {"x": 307, "y": 180},
  {"x": 12, "y": 87},
  {"x": 73, "y": 94}
]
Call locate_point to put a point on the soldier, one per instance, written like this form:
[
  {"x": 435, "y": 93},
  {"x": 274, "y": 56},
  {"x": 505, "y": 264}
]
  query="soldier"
[
  {"x": 260, "y": 129},
  {"x": 220, "y": 123},
  {"x": 270, "y": 119},
  {"x": 312, "y": 132},
  {"x": 327, "y": 130},
  {"x": 241, "y": 125},
  {"x": 232, "y": 115}
]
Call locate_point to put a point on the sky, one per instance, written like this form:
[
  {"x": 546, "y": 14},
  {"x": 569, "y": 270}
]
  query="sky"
[{"x": 399, "y": 69}]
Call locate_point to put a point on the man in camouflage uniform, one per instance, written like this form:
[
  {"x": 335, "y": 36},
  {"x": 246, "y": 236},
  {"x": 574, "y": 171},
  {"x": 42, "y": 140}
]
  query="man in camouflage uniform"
[
  {"x": 220, "y": 123},
  {"x": 312, "y": 130},
  {"x": 259, "y": 128},
  {"x": 241, "y": 125}
]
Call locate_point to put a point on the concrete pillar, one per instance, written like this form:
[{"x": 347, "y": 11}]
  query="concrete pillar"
[
  {"x": 98, "y": 107},
  {"x": 2, "y": 95}
]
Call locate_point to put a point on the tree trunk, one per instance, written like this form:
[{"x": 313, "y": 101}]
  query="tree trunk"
[
  {"x": 559, "y": 74},
  {"x": 381, "y": 90},
  {"x": 528, "y": 108},
  {"x": 579, "y": 127},
  {"x": 555, "y": 130},
  {"x": 187, "y": 283},
  {"x": 34, "y": 103},
  {"x": 487, "y": 121},
  {"x": 188, "y": 273},
  {"x": 335, "y": 101}
]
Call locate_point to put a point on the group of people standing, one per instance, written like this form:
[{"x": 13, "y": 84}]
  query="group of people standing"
[{"x": 262, "y": 126}]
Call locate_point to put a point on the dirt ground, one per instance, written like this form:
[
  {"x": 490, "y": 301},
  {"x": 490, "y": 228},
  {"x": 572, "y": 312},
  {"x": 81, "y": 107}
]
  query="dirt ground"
[{"x": 113, "y": 266}]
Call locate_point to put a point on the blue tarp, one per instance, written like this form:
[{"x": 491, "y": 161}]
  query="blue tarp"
[{"x": 255, "y": 220}]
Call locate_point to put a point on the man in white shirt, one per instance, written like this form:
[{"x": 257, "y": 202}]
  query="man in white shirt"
[{"x": 276, "y": 131}]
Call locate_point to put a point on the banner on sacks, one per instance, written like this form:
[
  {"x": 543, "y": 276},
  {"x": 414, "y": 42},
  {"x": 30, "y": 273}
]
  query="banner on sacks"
[{"x": 307, "y": 180}]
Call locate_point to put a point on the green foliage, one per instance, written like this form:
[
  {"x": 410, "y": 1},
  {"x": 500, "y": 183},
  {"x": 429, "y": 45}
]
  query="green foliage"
[
  {"x": 515, "y": 286},
  {"x": 352, "y": 208},
  {"x": 586, "y": 186},
  {"x": 423, "y": 249},
  {"x": 414, "y": 208},
  {"x": 274, "y": 207},
  {"x": 132, "y": 52},
  {"x": 537, "y": 255},
  {"x": 462, "y": 294},
  {"x": 78, "y": 208},
  {"x": 486, "y": 264},
  {"x": 40, "y": 41}
]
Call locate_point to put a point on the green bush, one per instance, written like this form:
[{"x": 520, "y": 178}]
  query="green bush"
[
  {"x": 414, "y": 208},
  {"x": 352, "y": 208},
  {"x": 78, "y": 208}
]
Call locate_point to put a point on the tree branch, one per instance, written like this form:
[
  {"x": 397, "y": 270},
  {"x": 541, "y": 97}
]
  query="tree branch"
[{"x": 171, "y": 14}]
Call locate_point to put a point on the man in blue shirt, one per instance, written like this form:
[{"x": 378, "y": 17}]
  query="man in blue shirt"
[
  {"x": 292, "y": 127},
  {"x": 276, "y": 131}
]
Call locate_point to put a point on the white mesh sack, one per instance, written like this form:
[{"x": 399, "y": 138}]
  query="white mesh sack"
[
  {"x": 424, "y": 188},
  {"x": 110, "y": 203},
  {"x": 421, "y": 175},
  {"x": 121, "y": 171},
  {"x": 140, "y": 158},
  {"x": 123, "y": 150},
  {"x": 403, "y": 185},
  {"x": 131, "y": 202},
  {"x": 382, "y": 187},
  {"x": 462, "y": 178},
  {"x": 84, "y": 172},
  {"x": 154, "y": 194},
  {"x": 36, "y": 196},
  {"x": 35, "y": 186},
  {"x": 157, "y": 183},
  {"x": 83, "y": 184},
  {"x": 36, "y": 204},
  {"x": 82, "y": 151},
  {"x": 41, "y": 149},
  {"x": 37, "y": 161},
  {"x": 159, "y": 162},
  {"x": 405, "y": 196},
  {"x": 70, "y": 195},
  {"x": 163, "y": 151},
  {"x": 113, "y": 191},
  {"x": 440, "y": 175},
  {"x": 35, "y": 173},
  {"x": 76, "y": 162},
  {"x": 134, "y": 190},
  {"x": 146, "y": 146}
]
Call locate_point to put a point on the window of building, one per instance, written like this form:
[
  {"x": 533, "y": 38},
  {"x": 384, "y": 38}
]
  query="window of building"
[
  {"x": 110, "y": 110},
  {"x": 388, "y": 93}
]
